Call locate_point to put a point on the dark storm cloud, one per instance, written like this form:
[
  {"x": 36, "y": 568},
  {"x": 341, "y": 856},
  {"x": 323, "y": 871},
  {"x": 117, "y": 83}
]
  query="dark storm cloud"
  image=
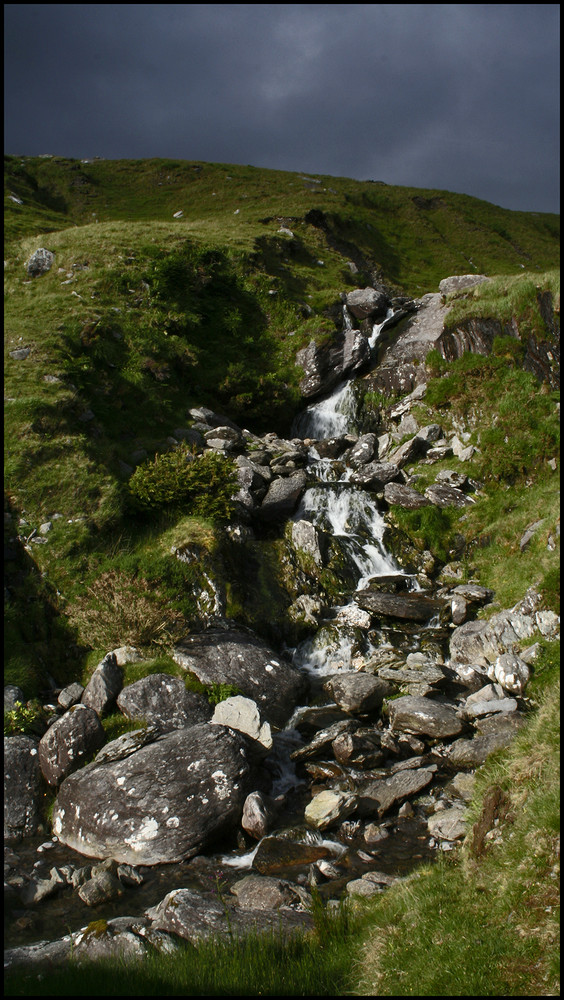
[{"x": 456, "y": 96}]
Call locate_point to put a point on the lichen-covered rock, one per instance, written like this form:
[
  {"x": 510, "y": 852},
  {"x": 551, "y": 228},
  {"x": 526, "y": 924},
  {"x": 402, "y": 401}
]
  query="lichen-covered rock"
[
  {"x": 22, "y": 788},
  {"x": 69, "y": 742},
  {"x": 165, "y": 802},
  {"x": 238, "y": 657},
  {"x": 163, "y": 701}
]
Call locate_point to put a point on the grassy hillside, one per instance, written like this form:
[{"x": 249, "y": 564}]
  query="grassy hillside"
[
  {"x": 143, "y": 316},
  {"x": 413, "y": 237}
]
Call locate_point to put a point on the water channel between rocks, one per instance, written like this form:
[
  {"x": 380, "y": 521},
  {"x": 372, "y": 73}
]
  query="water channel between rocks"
[{"x": 350, "y": 515}]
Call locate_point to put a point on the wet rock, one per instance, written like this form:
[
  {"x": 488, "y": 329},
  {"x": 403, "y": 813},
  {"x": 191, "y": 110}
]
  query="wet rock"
[
  {"x": 163, "y": 702},
  {"x": 424, "y": 717},
  {"x": 238, "y": 657},
  {"x": 280, "y": 856},
  {"x": 328, "y": 808},
  {"x": 357, "y": 692},
  {"x": 163, "y": 803},
  {"x": 69, "y": 742},
  {"x": 413, "y": 607}
]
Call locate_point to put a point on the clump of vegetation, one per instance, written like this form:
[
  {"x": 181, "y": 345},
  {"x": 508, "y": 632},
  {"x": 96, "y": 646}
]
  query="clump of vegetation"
[
  {"x": 124, "y": 609},
  {"x": 428, "y": 527},
  {"x": 518, "y": 426},
  {"x": 202, "y": 486},
  {"x": 29, "y": 719}
]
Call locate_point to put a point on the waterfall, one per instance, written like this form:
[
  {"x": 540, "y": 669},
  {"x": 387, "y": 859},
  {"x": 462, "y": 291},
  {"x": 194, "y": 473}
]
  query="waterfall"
[
  {"x": 331, "y": 417},
  {"x": 351, "y": 516},
  {"x": 378, "y": 327}
]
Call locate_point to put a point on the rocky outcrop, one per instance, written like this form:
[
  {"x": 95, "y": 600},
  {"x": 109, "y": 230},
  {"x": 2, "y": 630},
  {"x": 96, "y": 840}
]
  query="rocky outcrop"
[{"x": 325, "y": 365}]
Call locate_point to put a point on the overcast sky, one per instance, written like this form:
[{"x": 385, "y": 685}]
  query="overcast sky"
[{"x": 463, "y": 97}]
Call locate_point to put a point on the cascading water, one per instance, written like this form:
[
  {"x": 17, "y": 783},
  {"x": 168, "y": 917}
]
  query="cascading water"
[{"x": 331, "y": 417}]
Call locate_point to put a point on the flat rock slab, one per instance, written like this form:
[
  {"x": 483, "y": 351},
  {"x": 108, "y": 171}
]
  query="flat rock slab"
[
  {"x": 163, "y": 803},
  {"x": 414, "y": 607},
  {"x": 196, "y": 918},
  {"x": 424, "y": 717}
]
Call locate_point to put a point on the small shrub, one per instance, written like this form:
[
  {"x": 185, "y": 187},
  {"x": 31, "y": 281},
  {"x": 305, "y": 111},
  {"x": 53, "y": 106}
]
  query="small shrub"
[
  {"x": 203, "y": 484},
  {"x": 28, "y": 719}
]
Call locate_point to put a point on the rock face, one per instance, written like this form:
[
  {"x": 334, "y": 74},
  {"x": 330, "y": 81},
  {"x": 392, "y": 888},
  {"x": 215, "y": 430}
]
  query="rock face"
[
  {"x": 325, "y": 366},
  {"x": 164, "y": 803},
  {"x": 237, "y": 657}
]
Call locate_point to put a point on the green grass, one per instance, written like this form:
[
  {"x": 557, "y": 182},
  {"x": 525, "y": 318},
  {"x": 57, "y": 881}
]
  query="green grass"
[
  {"x": 317, "y": 964},
  {"x": 508, "y": 296}
]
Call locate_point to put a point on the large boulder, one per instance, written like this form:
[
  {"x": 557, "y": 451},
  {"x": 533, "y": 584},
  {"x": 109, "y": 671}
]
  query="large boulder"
[
  {"x": 166, "y": 802},
  {"x": 238, "y": 657},
  {"x": 163, "y": 701}
]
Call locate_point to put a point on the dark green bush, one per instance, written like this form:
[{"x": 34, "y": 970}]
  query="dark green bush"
[{"x": 201, "y": 485}]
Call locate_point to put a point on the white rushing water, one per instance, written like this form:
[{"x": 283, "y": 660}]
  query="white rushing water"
[
  {"x": 331, "y": 417},
  {"x": 351, "y": 516}
]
